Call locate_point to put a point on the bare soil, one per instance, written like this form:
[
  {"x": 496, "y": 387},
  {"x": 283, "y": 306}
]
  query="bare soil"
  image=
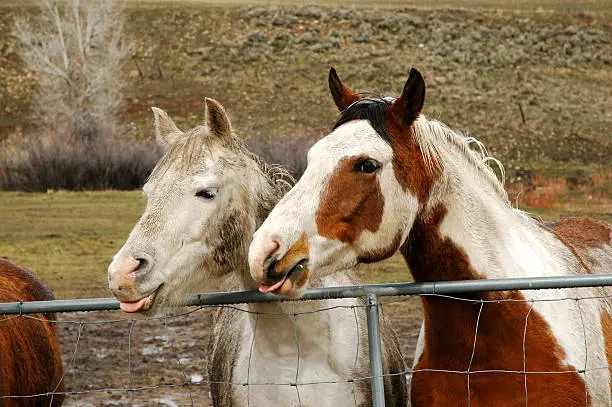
[{"x": 165, "y": 361}]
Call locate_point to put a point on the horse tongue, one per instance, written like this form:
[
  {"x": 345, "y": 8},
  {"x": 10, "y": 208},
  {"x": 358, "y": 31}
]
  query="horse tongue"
[
  {"x": 264, "y": 288},
  {"x": 133, "y": 306}
]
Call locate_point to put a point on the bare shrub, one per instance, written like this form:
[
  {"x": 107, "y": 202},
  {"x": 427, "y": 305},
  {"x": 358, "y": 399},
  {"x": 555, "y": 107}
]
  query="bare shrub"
[
  {"x": 53, "y": 161},
  {"x": 289, "y": 151},
  {"x": 77, "y": 49}
]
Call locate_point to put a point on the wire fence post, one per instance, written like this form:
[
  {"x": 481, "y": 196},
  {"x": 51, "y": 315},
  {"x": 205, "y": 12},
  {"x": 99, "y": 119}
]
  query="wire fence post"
[{"x": 378, "y": 385}]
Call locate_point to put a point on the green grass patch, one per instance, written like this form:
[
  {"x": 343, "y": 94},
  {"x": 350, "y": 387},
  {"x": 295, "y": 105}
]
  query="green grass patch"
[{"x": 69, "y": 238}]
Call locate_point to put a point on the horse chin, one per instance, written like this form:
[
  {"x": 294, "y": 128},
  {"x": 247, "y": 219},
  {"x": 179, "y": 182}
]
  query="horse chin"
[
  {"x": 296, "y": 293},
  {"x": 330, "y": 266},
  {"x": 296, "y": 282},
  {"x": 161, "y": 304}
]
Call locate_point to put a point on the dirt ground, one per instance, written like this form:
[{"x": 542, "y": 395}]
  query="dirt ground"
[{"x": 105, "y": 355}]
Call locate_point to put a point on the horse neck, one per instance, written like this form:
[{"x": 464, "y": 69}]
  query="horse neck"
[
  {"x": 266, "y": 197},
  {"x": 277, "y": 326},
  {"x": 468, "y": 231}
]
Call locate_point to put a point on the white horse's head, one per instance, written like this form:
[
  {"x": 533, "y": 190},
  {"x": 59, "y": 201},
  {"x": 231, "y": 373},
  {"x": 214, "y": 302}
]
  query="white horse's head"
[{"x": 205, "y": 198}]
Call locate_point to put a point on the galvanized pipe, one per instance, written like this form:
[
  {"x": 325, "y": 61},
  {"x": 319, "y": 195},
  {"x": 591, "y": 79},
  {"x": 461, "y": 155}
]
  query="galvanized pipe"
[
  {"x": 376, "y": 371},
  {"x": 223, "y": 298}
]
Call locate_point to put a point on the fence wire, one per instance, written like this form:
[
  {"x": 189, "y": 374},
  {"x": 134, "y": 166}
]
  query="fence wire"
[{"x": 170, "y": 366}]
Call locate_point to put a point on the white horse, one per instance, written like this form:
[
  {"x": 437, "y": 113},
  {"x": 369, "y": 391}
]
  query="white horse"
[
  {"x": 387, "y": 179},
  {"x": 206, "y": 197}
]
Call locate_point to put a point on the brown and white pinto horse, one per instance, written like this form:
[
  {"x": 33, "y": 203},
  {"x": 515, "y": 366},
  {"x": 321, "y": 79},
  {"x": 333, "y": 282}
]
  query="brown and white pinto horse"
[
  {"x": 30, "y": 359},
  {"x": 388, "y": 179}
]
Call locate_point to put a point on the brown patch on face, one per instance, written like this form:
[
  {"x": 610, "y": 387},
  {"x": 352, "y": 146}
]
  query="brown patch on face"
[
  {"x": 450, "y": 326},
  {"x": 373, "y": 256},
  {"x": 300, "y": 250},
  {"x": 351, "y": 203},
  {"x": 31, "y": 360},
  {"x": 606, "y": 327},
  {"x": 408, "y": 163}
]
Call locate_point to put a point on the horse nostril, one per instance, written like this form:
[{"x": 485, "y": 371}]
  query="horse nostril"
[{"x": 142, "y": 264}]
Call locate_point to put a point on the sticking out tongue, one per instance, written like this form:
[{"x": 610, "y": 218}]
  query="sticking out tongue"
[
  {"x": 264, "y": 288},
  {"x": 133, "y": 306}
]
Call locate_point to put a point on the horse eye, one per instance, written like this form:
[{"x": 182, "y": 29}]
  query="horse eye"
[
  {"x": 367, "y": 166},
  {"x": 208, "y": 193}
]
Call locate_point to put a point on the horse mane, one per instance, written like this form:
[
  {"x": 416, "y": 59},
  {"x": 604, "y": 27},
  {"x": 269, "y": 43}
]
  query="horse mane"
[
  {"x": 428, "y": 134},
  {"x": 190, "y": 147},
  {"x": 279, "y": 180}
]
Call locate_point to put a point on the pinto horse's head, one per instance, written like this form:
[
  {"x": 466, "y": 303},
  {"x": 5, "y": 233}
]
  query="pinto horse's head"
[
  {"x": 361, "y": 192},
  {"x": 205, "y": 198}
]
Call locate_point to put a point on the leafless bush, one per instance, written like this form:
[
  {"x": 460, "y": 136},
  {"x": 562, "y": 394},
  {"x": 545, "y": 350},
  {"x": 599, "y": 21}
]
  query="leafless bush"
[
  {"x": 289, "y": 151},
  {"x": 77, "y": 49},
  {"x": 58, "y": 162}
]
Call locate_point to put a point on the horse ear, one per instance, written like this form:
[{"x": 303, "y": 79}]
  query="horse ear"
[
  {"x": 408, "y": 106},
  {"x": 217, "y": 121},
  {"x": 166, "y": 132},
  {"x": 342, "y": 94}
]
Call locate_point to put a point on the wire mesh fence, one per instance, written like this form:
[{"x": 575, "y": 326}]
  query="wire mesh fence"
[{"x": 110, "y": 359}]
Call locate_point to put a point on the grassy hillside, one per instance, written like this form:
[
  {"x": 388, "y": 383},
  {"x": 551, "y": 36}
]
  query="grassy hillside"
[{"x": 268, "y": 65}]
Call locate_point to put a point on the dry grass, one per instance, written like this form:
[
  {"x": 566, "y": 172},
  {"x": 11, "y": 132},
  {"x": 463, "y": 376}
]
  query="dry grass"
[
  {"x": 68, "y": 238},
  {"x": 566, "y": 5},
  {"x": 268, "y": 66}
]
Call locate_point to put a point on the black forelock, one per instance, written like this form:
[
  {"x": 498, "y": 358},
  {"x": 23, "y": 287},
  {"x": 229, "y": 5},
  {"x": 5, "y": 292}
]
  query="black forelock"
[{"x": 372, "y": 109}]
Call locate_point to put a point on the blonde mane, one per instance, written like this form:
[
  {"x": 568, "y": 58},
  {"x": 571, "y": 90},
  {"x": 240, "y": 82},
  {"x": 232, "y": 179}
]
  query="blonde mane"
[
  {"x": 431, "y": 133},
  {"x": 188, "y": 151}
]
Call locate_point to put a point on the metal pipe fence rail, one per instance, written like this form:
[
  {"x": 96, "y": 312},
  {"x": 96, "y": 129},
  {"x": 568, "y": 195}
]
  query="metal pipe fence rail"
[{"x": 371, "y": 294}]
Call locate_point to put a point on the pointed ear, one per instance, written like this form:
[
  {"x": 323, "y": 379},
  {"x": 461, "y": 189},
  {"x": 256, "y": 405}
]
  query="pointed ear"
[
  {"x": 343, "y": 96},
  {"x": 408, "y": 106},
  {"x": 217, "y": 121},
  {"x": 166, "y": 132}
]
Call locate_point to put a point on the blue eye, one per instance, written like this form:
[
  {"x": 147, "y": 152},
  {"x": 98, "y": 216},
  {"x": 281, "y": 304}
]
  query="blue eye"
[{"x": 207, "y": 193}]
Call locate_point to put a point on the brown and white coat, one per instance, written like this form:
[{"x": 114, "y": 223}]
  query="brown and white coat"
[{"x": 388, "y": 179}]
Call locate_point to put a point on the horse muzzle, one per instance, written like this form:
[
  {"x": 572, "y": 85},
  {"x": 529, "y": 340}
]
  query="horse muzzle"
[
  {"x": 286, "y": 274},
  {"x": 122, "y": 281}
]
